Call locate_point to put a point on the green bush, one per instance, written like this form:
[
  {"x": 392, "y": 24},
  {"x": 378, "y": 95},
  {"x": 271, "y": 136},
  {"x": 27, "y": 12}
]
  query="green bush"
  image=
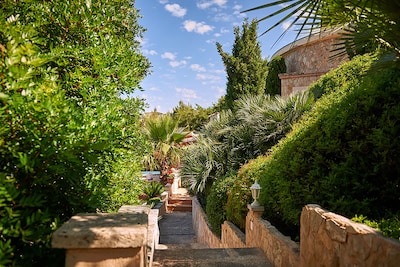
[
  {"x": 346, "y": 75},
  {"x": 388, "y": 227},
  {"x": 275, "y": 67},
  {"x": 153, "y": 189},
  {"x": 216, "y": 202},
  {"x": 343, "y": 155},
  {"x": 64, "y": 130}
]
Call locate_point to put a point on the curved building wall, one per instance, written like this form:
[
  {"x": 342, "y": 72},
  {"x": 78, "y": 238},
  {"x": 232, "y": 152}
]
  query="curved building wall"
[{"x": 307, "y": 59}]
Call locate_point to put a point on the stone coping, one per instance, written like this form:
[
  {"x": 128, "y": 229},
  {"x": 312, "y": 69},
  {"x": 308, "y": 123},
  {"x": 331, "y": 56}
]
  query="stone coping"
[{"x": 103, "y": 230}]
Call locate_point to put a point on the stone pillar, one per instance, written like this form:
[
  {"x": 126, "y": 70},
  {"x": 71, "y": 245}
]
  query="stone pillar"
[
  {"x": 104, "y": 240},
  {"x": 253, "y": 214}
]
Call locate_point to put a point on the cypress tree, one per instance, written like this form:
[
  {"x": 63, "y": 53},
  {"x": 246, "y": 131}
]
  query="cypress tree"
[{"x": 245, "y": 67}]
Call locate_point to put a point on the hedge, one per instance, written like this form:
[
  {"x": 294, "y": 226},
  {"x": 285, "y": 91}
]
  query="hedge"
[{"x": 344, "y": 155}]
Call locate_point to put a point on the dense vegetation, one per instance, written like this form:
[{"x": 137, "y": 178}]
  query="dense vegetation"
[
  {"x": 340, "y": 155},
  {"x": 191, "y": 118},
  {"x": 343, "y": 155},
  {"x": 276, "y": 66},
  {"x": 68, "y": 142},
  {"x": 226, "y": 144}
]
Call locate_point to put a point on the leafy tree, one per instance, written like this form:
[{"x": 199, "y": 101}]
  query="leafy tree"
[
  {"x": 245, "y": 67},
  {"x": 275, "y": 67},
  {"x": 220, "y": 105},
  {"x": 165, "y": 135},
  {"x": 367, "y": 23},
  {"x": 189, "y": 117},
  {"x": 66, "y": 137}
]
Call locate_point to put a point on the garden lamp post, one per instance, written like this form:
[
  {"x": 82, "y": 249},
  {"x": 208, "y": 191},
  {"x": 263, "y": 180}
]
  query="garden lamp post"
[{"x": 255, "y": 192}]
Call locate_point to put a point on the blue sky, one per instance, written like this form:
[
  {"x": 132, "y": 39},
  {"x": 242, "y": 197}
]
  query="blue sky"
[{"x": 180, "y": 44}]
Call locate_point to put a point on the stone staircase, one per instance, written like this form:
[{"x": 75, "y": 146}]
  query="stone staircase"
[
  {"x": 179, "y": 203},
  {"x": 178, "y": 245},
  {"x": 211, "y": 257}
]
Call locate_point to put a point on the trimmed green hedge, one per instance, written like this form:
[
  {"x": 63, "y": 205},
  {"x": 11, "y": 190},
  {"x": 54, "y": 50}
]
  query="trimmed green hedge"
[
  {"x": 216, "y": 202},
  {"x": 239, "y": 194},
  {"x": 344, "y": 155}
]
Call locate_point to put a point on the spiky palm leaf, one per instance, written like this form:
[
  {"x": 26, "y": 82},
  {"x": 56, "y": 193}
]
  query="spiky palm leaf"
[{"x": 368, "y": 23}]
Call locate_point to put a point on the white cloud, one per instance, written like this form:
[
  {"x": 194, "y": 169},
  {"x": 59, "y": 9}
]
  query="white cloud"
[
  {"x": 197, "y": 27},
  {"x": 207, "y": 4},
  {"x": 222, "y": 17},
  {"x": 237, "y": 11},
  {"x": 208, "y": 78},
  {"x": 175, "y": 64},
  {"x": 187, "y": 93},
  {"x": 149, "y": 52},
  {"x": 237, "y": 7},
  {"x": 221, "y": 32},
  {"x": 168, "y": 55},
  {"x": 197, "y": 67},
  {"x": 176, "y": 10},
  {"x": 163, "y": 1}
]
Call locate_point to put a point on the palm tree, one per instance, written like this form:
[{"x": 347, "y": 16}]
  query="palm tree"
[
  {"x": 367, "y": 24},
  {"x": 165, "y": 137},
  {"x": 259, "y": 122},
  {"x": 269, "y": 118}
]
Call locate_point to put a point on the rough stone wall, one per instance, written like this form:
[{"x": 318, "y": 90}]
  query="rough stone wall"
[
  {"x": 328, "y": 239},
  {"x": 203, "y": 232},
  {"x": 292, "y": 83},
  {"x": 313, "y": 56},
  {"x": 306, "y": 61},
  {"x": 231, "y": 236},
  {"x": 279, "y": 249}
]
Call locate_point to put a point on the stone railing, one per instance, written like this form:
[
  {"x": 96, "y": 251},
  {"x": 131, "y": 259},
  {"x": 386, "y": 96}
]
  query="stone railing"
[
  {"x": 279, "y": 249},
  {"x": 334, "y": 240},
  {"x": 231, "y": 236},
  {"x": 126, "y": 238},
  {"x": 201, "y": 227},
  {"x": 326, "y": 239}
]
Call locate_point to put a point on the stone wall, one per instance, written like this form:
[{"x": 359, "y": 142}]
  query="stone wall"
[
  {"x": 279, "y": 249},
  {"x": 307, "y": 59},
  {"x": 104, "y": 239},
  {"x": 231, "y": 236},
  {"x": 293, "y": 83},
  {"x": 204, "y": 235},
  {"x": 328, "y": 239},
  {"x": 315, "y": 55}
]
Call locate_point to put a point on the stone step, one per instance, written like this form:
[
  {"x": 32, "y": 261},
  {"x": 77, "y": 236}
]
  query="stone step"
[
  {"x": 183, "y": 201},
  {"x": 228, "y": 257},
  {"x": 179, "y": 207}
]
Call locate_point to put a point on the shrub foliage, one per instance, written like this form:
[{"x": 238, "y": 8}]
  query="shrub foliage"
[
  {"x": 216, "y": 202},
  {"x": 66, "y": 137},
  {"x": 344, "y": 155}
]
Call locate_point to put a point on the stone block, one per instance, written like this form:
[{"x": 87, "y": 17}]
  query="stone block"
[{"x": 103, "y": 240}]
